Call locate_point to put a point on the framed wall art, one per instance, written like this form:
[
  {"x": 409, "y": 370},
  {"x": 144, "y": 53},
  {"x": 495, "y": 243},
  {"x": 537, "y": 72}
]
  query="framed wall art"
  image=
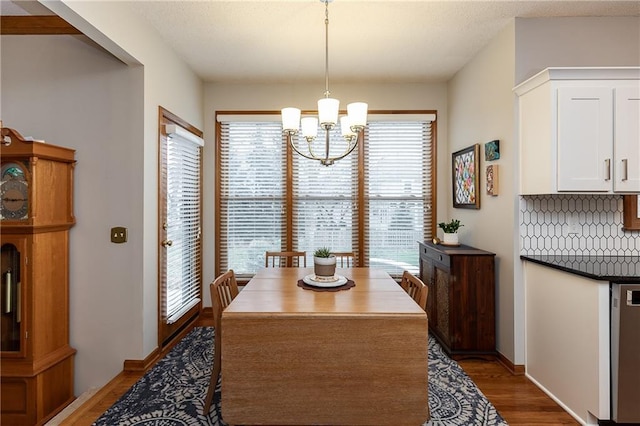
[
  {"x": 492, "y": 150},
  {"x": 465, "y": 165},
  {"x": 492, "y": 179}
]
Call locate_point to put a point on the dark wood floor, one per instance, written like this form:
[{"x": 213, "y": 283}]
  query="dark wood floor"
[{"x": 518, "y": 400}]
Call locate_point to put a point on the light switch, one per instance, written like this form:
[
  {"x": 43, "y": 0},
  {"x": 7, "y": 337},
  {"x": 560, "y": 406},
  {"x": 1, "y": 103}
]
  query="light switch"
[{"x": 119, "y": 235}]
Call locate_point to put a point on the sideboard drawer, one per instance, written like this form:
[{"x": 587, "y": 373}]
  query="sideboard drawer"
[{"x": 439, "y": 257}]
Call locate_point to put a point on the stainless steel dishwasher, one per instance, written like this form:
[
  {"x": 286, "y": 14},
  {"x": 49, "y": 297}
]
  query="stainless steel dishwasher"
[{"x": 625, "y": 352}]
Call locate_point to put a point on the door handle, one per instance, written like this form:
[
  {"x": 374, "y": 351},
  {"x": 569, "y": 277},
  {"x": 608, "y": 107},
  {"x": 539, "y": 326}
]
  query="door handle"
[{"x": 167, "y": 243}]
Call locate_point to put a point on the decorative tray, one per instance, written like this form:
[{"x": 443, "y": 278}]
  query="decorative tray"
[{"x": 335, "y": 281}]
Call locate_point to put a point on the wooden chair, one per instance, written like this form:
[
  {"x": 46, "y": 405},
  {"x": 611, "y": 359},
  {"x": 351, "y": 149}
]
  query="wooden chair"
[
  {"x": 223, "y": 290},
  {"x": 285, "y": 259},
  {"x": 415, "y": 288},
  {"x": 345, "y": 259}
]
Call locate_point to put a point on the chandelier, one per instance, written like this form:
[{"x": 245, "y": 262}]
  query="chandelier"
[{"x": 351, "y": 125}]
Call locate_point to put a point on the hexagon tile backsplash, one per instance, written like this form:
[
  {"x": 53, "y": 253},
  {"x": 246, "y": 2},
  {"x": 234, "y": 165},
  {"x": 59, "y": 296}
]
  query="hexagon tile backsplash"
[{"x": 585, "y": 225}]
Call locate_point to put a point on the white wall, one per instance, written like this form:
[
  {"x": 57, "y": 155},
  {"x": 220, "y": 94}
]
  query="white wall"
[
  {"x": 575, "y": 42},
  {"x": 481, "y": 109},
  {"x": 70, "y": 92},
  {"x": 265, "y": 97}
]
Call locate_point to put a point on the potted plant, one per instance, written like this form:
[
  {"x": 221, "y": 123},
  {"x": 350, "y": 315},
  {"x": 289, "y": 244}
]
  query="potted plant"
[
  {"x": 324, "y": 263},
  {"x": 450, "y": 230}
]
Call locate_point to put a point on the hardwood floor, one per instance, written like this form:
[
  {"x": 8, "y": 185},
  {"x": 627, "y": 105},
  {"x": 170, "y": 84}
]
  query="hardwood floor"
[{"x": 518, "y": 400}]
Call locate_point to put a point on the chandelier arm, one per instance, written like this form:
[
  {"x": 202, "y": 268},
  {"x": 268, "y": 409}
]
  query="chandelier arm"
[
  {"x": 295, "y": 148},
  {"x": 350, "y": 148}
]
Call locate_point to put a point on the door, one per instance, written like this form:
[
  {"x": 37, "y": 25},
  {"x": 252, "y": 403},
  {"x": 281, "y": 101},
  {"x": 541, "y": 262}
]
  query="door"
[
  {"x": 180, "y": 220},
  {"x": 627, "y": 135},
  {"x": 585, "y": 139}
]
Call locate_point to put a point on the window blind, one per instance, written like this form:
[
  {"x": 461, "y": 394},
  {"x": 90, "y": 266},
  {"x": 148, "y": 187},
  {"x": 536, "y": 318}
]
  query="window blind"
[
  {"x": 252, "y": 194},
  {"x": 325, "y": 201},
  {"x": 397, "y": 193},
  {"x": 183, "y": 227}
]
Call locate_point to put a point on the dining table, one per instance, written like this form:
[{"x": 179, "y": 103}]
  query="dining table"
[{"x": 299, "y": 353}]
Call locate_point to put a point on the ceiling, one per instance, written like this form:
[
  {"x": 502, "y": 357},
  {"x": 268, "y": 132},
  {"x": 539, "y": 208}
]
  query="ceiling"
[{"x": 369, "y": 40}]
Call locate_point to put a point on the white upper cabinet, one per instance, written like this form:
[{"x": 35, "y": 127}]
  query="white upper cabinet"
[
  {"x": 627, "y": 139},
  {"x": 579, "y": 131}
]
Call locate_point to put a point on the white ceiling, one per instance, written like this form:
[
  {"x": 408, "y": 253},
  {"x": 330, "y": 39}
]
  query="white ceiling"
[{"x": 369, "y": 40}]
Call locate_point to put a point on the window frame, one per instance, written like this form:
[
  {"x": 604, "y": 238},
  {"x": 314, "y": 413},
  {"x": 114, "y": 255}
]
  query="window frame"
[{"x": 359, "y": 248}]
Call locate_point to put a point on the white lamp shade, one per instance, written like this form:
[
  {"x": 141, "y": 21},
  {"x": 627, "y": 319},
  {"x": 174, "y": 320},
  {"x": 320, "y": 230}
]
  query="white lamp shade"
[
  {"x": 290, "y": 119},
  {"x": 328, "y": 110},
  {"x": 345, "y": 127},
  {"x": 357, "y": 113},
  {"x": 309, "y": 127}
]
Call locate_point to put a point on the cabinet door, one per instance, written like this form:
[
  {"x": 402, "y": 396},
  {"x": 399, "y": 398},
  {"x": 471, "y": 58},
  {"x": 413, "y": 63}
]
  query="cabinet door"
[
  {"x": 443, "y": 313},
  {"x": 13, "y": 296},
  {"x": 627, "y": 139},
  {"x": 427, "y": 277},
  {"x": 585, "y": 139}
]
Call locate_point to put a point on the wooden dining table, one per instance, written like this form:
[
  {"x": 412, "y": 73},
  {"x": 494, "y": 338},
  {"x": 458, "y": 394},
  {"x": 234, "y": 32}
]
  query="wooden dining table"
[{"x": 296, "y": 356}]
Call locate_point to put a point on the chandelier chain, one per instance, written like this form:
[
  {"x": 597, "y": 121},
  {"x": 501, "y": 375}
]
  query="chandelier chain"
[{"x": 326, "y": 49}]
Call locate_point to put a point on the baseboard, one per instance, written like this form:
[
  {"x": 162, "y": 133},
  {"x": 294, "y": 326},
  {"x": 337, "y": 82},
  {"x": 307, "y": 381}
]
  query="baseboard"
[
  {"x": 136, "y": 365},
  {"x": 516, "y": 370}
]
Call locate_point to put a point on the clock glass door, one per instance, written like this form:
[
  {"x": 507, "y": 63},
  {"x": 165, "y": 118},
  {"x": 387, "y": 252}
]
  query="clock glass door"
[
  {"x": 10, "y": 299},
  {"x": 14, "y": 203}
]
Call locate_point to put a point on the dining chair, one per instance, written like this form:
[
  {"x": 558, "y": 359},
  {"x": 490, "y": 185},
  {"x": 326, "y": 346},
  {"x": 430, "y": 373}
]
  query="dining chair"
[
  {"x": 223, "y": 290},
  {"x": 415, "y": 288},
  {"x": 285, "y": 259},
  {"x": 345, "y": 259}
]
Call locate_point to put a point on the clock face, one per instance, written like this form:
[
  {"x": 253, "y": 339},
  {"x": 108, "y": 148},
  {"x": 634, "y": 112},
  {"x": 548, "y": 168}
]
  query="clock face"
[{"x": 14, "y": 193}]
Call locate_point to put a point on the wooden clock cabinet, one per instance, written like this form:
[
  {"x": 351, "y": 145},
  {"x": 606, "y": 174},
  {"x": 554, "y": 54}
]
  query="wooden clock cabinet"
[
  {"x": 461, "y": 302},
  {"x": 36, "y": 360}
]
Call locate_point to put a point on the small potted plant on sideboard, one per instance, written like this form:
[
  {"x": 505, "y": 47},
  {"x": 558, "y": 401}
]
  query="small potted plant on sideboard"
[{"x": 450, "y": 230}]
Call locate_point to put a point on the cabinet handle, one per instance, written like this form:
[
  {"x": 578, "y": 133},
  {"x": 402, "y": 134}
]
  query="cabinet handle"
[
  {"x": 624, "y": 169},
  {"x": 607, "y": 169}
]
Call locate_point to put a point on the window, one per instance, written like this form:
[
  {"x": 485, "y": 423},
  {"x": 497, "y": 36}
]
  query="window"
[
  {"x": 376, "y": 202},
  {"x": 180, "y": 255}
]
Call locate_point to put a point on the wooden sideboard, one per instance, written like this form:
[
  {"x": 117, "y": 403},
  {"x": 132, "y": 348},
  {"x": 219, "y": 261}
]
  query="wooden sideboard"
[{"x": 461, "y": 302}]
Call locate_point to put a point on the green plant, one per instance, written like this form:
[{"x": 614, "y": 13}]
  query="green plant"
[
  {"x": 322, "y": 252},
  {"x": 451, "y": 227}
]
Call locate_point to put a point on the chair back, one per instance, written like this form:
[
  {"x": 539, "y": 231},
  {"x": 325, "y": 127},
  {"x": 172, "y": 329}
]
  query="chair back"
[
  {"x": 285, "y": 259},
  {"x": 415, "y": 288},
  {"x": 345, "y": 259},
  {"x": 223, "y": 290}
]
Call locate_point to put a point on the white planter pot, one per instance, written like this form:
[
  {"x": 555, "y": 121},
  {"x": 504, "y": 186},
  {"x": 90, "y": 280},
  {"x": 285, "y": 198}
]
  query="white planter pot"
[
  {"x": 451, "y": 239},
  {"x": 324, "y": 266}
]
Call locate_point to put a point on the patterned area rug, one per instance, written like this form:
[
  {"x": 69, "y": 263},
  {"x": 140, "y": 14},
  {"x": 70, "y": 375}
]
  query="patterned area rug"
[{"x": 172, "y": 393}]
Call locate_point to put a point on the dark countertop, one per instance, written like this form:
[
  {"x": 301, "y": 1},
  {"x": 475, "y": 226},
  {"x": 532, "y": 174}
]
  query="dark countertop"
[{"x": 621, "y": 269}]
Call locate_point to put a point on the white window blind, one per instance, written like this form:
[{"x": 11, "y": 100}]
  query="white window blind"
[
  {"x": 325, "y": 201},
  {"x": 252, "y": 194},
  {"x": 183, "y": 227},
  {"x": 395, "y": 177},
  {"x": 398, "y": 182}
]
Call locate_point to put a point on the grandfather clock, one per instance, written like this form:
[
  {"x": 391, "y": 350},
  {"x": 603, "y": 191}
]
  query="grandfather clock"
[{"x": 36, "y": 213}]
